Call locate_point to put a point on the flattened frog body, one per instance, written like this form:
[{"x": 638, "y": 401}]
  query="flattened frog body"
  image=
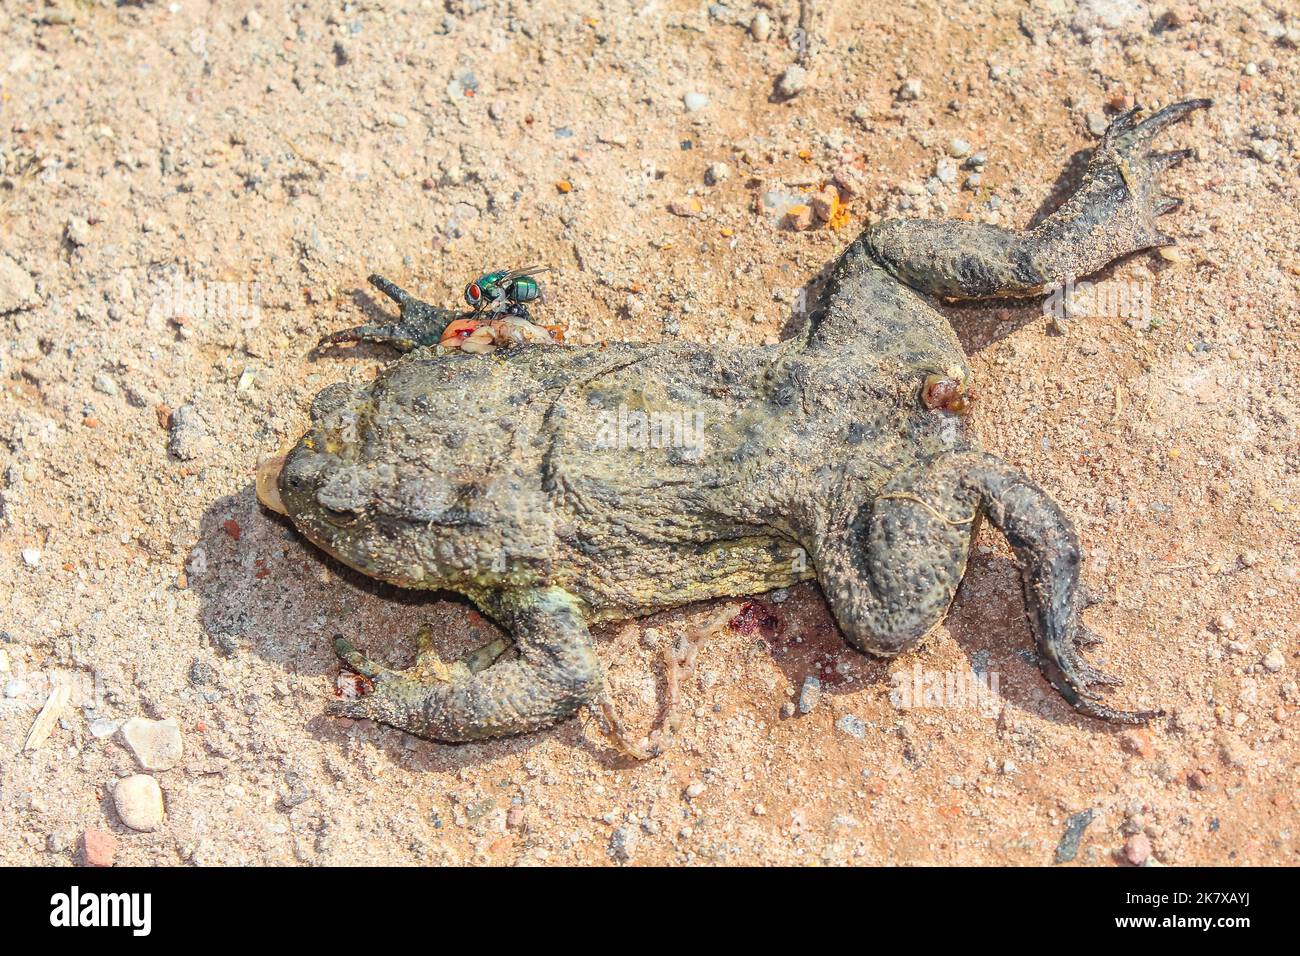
[{"x": 558, "y": 486}]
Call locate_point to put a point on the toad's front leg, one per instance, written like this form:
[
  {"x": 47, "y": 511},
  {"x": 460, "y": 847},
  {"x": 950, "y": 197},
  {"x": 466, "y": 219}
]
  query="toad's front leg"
[
  {"x": 419, "y": 323},
  {"x": 556, "y": 673}
]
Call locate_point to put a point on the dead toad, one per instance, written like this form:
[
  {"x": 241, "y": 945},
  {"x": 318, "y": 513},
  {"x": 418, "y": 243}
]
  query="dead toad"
[{"x": 837, "y": 455}]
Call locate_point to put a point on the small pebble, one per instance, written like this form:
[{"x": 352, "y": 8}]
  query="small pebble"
[
  {"x": 78, "y": 231},
  {"x": 1068, "y": 847},
  {"x": 694, "y": 789},
  {"x": 688, "y": 208},
  {"x": 717, "y": 173},
  {"x": 695, "y": 102},
  {"x": 799, "y": 217},
  {"x": 760, "y": 28},
  {"x": 1138, "y": 849},
  {"x": 809, "y": 694},
  {"x": 189, "y": 437},
  {"x": 31, "y": 557},
  {"x": 1136, "y": 742},
  {"x": 1274, "y": 661},
  {"x": 17, "y": 288},
  {"x": 958, "y": 147},
  {"x": 622, "y": 843},
  {"x": 156, "y": 744},
  {"x": 102, "y": 727},
  {"x": 852, "y": 182},
  {"x": 98, "y": 848},
  {"x": 911, "y": 90},
  {"x": 853, "y": 725},
  {"x": 946, "y": 171},
  {"x": 1096, "y": 121},
  {"x": 1249, "y": 558},
  {"x": 792, "y": 82},
  {"x": 139, "y": 802},
  {"x": 824, "y": 203}
]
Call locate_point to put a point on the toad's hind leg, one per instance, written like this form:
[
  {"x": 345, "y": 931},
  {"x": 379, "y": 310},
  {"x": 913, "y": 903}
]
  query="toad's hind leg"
[
  {"x": 890, "y": 570},
  {"x": 556, "y": 673},
  {"x": 1114, "y": 212}
]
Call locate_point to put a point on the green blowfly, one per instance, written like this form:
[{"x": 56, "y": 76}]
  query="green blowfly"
[{"x": 506, "y": 291}]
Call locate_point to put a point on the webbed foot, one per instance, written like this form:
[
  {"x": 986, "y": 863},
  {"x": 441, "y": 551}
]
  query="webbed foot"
[
  {"x": 419, "y": 324},
  {"x": 1124, "y": 152}
]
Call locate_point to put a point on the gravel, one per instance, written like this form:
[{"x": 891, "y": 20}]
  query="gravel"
[
  {"x": 623, "y": 843},
  {"x": 810, "y": 694},
  {"x": 156, "y": 744},
  {"x": 792, "y": 82},
  {"x": 1068, "y": 848},
  {"x": 17, "y": 290},
  {"x": 139, "y": 802},
  {"x": 189, "y": 435},
  {"x": 853, "y": 725},
  {"x": 694, "y": 102}
]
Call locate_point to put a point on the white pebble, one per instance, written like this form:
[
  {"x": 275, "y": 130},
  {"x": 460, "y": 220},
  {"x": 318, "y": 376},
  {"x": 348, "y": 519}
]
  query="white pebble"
[
  {"x": 695, "y": 102},
  {"x": 139, "y": 802}
]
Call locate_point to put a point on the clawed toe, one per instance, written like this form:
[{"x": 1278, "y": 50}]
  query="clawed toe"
[
  {"x": 354, "y": 659},
  {"x": 1125, "y": 132},
  {"x": 1075, "y": 679},
  {"x": 1087, "y": 638},
  {"x": 1159, "y": 162},
  {"x": 1146, "y": 130}
]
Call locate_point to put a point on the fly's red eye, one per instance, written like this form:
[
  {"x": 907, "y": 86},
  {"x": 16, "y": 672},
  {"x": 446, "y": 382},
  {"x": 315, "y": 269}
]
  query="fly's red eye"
[{"x": 473, "y": 292}]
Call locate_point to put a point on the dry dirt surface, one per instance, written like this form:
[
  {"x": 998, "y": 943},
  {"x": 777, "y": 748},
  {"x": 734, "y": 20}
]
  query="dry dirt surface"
[{"x": 192, "y": 193}]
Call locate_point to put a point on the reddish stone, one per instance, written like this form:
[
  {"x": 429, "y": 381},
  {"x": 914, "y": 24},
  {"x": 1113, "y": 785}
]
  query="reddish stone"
[
  {"x": 98, "y": 848},
  {"x": 1138, "y": 849}
]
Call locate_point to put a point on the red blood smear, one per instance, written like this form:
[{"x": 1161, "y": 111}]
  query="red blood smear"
[{"x": 756, "y": 617}]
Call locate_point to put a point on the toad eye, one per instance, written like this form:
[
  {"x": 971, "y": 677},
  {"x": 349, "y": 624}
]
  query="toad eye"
[{"x": 339, "y": 516}]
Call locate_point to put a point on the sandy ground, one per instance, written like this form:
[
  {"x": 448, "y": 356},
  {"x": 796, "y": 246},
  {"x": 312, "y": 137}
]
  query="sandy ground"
[{"x": 277, "y": 159}]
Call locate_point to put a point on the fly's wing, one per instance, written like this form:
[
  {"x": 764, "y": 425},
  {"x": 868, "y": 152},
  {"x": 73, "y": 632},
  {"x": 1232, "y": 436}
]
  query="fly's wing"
[{"x": 534, "y": 270}]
